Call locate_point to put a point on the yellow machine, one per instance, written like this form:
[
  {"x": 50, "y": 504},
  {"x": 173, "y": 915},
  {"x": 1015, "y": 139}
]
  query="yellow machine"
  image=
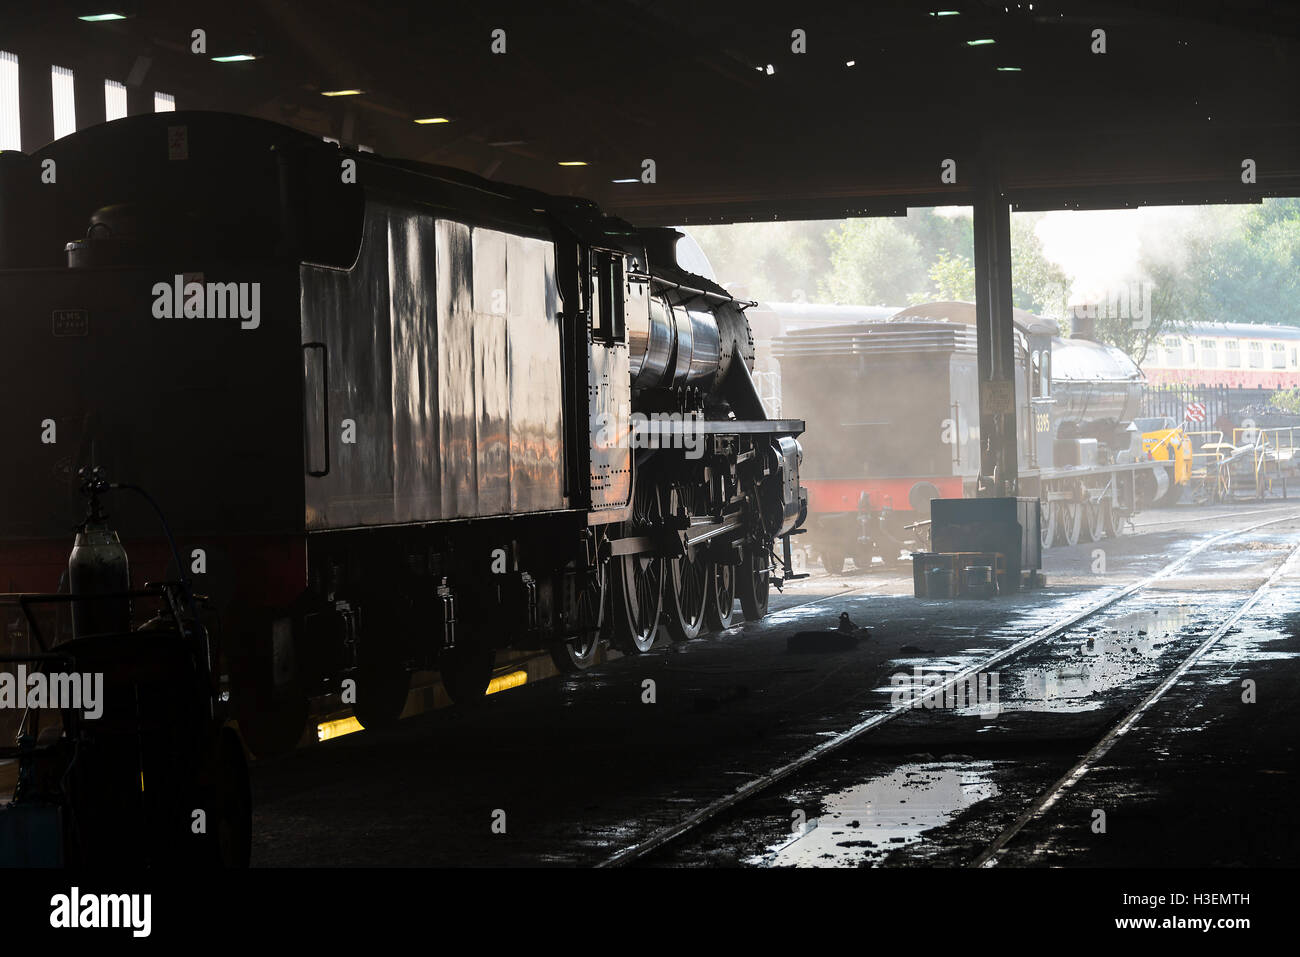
[{"x": 1169, "y": 443}]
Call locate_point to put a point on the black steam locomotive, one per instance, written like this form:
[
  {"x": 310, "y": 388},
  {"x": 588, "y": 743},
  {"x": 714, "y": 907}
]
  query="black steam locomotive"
[
  {"x": 897, "y": 426},
  {"x": 397, "y": 416}
]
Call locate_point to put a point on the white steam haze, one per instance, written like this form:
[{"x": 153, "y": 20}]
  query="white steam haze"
[{"x": 1099, "y": 248}]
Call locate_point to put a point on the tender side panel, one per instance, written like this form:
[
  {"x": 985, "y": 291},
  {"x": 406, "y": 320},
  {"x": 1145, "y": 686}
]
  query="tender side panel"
[
  {"x": 536, "y": 409},
  {"x": 443, "y": 348},
  {"x": 416, "y": 462},
  {"x": 348, "y": 311},
  {"x": 455, "y": 337},
  {"x": 491, "y": 347}
]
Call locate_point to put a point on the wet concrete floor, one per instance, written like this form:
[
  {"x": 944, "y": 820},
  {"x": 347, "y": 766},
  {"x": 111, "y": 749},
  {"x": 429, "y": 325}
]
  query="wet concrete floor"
[{"x": 569, "y": 770}]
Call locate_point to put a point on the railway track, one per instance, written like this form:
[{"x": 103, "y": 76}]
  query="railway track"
[
  {"x": 695, "y": 820},
  {"x": 990, "y": 855},
  {"x": 1198, "y": 517}
]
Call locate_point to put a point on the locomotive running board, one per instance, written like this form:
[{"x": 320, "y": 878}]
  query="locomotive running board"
[{"x": 650, "y": 429}]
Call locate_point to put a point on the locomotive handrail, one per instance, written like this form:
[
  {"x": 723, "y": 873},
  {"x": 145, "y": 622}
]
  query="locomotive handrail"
[
  {"x": 715, "y": 296},
  {"x": 325, "y": 408}
]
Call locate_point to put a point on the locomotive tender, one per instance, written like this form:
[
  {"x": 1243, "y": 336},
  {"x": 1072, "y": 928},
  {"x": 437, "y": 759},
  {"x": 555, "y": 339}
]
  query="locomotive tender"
[
  {"x": 398, "y": 416},
  {"x": 895, "y": 406}
]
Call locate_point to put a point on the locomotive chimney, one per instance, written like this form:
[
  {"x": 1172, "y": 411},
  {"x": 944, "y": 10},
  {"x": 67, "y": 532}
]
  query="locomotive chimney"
[{"x": 1083, "y": 321}]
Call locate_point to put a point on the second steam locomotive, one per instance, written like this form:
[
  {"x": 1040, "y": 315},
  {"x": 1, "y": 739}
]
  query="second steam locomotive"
[
  {"x": 895, "y": 406},
  {"x": 398, "y": 416}
]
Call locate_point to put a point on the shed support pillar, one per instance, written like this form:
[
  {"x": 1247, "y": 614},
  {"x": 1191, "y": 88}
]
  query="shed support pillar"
[{"x": 995, "y": 336}]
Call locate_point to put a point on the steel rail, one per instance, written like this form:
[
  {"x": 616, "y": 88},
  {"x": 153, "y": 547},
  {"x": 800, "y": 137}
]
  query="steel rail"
[
  {"x": 988, "y": 858},
  {"x": 673, "y": 832}
]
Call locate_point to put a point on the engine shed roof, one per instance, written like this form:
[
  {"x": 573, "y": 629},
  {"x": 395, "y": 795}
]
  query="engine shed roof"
[{"x": 745, "y": 113}]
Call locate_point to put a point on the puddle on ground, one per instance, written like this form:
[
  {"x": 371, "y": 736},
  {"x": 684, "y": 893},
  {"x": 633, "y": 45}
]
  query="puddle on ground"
[
  {"x": 1252, "y": 644},
  {"x": 858, "y": 826},
  {"x": 1122, "y": 648}
]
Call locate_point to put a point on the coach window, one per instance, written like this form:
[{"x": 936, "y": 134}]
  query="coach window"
[
  {"x": 1209, "y": 354},
  {"x": 1231, "y": 353},
  {"x": 1277, "y": 355},
  {"x": 607, "y": 296},
  {"x": 1171, "y": 351}
]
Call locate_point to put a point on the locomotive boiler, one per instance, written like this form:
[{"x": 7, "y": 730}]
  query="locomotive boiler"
[
  {"x": 895, "y": 411},
  {"x": 400, "y": 417}
]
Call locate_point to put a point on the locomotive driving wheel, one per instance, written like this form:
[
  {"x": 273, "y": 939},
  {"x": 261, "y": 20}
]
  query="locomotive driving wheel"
[
  {"x": 1049, "y": 519},
  {"x": 1094, "y": 514},
  {"x": 1113, "y": 519},
  {"x": 580, "y": 650},
  {"x": 720, "y": 611},
  {"x": 687, "y": 587},
  {"x": 754, "y": 580},
  {"x": 638, "y": 586},
  {"x": 1072, "y": 522}
]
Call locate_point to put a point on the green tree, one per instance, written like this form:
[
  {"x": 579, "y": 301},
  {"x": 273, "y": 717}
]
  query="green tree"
[
  {"x": 925, "y": 255},
  {"x": 1227, "y": 264},
  {"x": 874, "y": 262},
  {"x": 1288, "y": 400},
  {"x": 778, "y": 262},
  {"x": 952, "y": 278},
  {"x": 1265, "y": 268},
  {"x": 938, "y": 233},
  {"x": 1187, "y": 267},
  {"x": 1037, "y": 284}
]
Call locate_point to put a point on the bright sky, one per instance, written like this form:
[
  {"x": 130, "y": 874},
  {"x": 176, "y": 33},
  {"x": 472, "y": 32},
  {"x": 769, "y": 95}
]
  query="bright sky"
[{"x": 1098, "y": 247}]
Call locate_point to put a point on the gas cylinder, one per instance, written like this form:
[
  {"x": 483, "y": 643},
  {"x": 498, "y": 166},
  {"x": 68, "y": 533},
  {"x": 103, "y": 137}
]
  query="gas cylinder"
[{"x": 98, "y": 566}]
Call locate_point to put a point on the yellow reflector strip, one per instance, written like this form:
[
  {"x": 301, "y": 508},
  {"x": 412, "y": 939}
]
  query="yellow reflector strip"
[
  {"x": 506, "y": 682},
  {"x": 336, "y": 729}
]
